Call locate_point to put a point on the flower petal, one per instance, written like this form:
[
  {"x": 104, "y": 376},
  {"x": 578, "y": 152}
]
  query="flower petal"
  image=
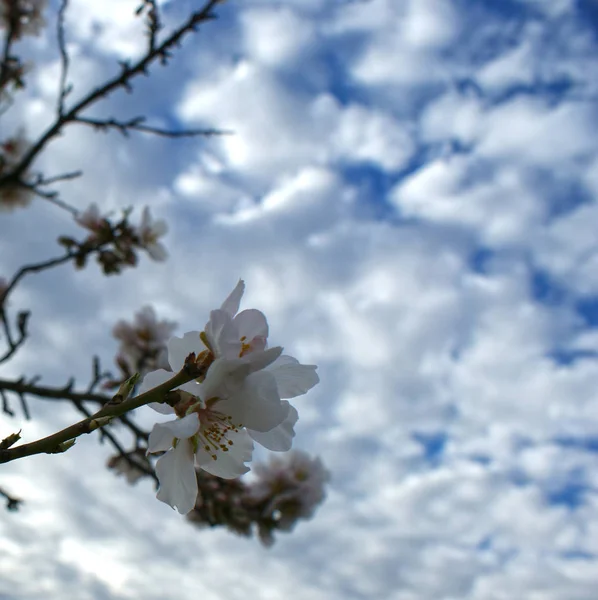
[
  {"x": 153, "y": 379},
  {"x": 256, "y": 405},
  {"x": 261, "y": 359},
  {"x": 233, "y": 301},
  {"x": 162, "y": 408},
  {"x": 157, "y": 251},
  {"x": 191, "y": 386},
  {"x": 219, "y": 319},
  {"x": 162, "y": 435},
  {"x": 180, "y": 348},
  {"x": 251, "y": 323},
  {"x": 229, "y": 464},
  {"x": 279, "y": 439},
  {"x": 293, "y": 378},
  {"x": 178, "y": 482}
]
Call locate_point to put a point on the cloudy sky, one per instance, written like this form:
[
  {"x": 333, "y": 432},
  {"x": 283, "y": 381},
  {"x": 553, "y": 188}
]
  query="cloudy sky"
[{"x": 410, "y": 194}]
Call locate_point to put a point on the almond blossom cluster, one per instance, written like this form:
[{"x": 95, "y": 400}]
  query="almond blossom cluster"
[
  {"x": 242, "y": 399},
  {"x": 289, "y": 487},
  {"x": 116, "y": 242},
  {"x": 13, "y": 195},
  {"x": 22, "y": 17},
  {"x": 143, "y": 343}
]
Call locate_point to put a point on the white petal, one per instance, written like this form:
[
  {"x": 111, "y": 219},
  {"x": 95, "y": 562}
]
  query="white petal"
[
  {"x": 157, "y": 251},
  {"x": 293, "y": 378},
  {"x": 222, "y": 334},
  {"x": 185, "y": 427},
  {"x": 160, "y": 439},
  {"x": 260, "y": 360},
  {"x": 232, "y": 303},
  {"x": 191, "y": 386},
  {"x": 279, "y": 439},
  {"x": 178, "y": 482},
  {"x": 154, "y": 379},
  {"x": 219, "y": 319},
  {"x": 161, "y": 407},
  {"x": 257, "y": 405},
  {"x": 160, "y": 227},
  {"x": 162, "y": 435},
  {"x": 230, "y": 464},
  {"x": 180, "y": 348},
  {"x": 146, "y": 218},
  {"x": 251, "y": 323},
  {"x": 224, "y": 378}
]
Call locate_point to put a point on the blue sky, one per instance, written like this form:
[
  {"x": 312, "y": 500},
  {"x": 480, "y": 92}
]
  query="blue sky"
[{"x": 410, "y": 195}]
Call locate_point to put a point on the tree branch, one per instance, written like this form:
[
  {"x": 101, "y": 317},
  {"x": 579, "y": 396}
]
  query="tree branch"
[
  {"x": 128, "y": 72},
  {"x": 136, "y": 124},
  {"x": 63, "y": 89},
  {"x": 62, "y": 440},
  {"x": 11, "y": 503}
]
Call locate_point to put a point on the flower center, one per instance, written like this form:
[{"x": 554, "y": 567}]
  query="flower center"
[
  {"x": 214, "y": 431},
  {"x": 256, "y": 343}
]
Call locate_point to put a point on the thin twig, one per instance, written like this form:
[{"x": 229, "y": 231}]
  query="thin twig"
[
  {"x": 13, "y": 346},
  {"x": 64, "y": 89},
  {"x": 135, "y": 124},
  {"x": 5, "y": 406},
  {"x": 34, "y": 268},
  {"x": 11, "y": 502},
  {"x": 41, "y": 181},
  {"x": 152, "y": 20}
]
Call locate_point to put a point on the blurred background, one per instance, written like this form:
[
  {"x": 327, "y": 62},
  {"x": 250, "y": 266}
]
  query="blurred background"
[{"x": 409, "y": 191}]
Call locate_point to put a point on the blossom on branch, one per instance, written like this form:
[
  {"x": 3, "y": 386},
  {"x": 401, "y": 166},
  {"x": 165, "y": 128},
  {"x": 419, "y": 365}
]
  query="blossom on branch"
[
  {"x": 22, "y": 17},
  {"x": 290, "y": 487},
  {"x": 13, "y": 194},
  {"x": 92, "y": 220},
  {"x": 242, "y": 399},
  {"x": 149, "y": 232},
  {"x": 143, "y": 342}
]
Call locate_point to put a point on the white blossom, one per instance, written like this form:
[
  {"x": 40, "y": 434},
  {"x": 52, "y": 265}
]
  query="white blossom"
[
  {"x": 149, "y": 232},
  {"x": 233, "y": 335},
  {"x": 294, "y": 483},
  {"x": 144, "y": 340},
  {"x": 91, "y": 218},
  {"x": 29, "y": 18},
  {"x": 242, "y": 398}
]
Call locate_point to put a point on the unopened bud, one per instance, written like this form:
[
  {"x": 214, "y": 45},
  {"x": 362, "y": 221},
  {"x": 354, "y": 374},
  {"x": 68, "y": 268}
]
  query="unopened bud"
[
  {"x": 99, "y": 422},
  {"x": 125, "y": 389},
  {"x": 7, "y": 442},
  {"x": 62, "y": 447}
]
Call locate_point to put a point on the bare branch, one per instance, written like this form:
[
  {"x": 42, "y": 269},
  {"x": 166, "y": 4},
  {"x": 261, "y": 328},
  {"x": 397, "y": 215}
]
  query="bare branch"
[
  {"x": 62, "y": 440},
  {"x": 5, "y": 406},
  {"x": 34, "y": 268},
  {"x": 11, "y": 503},
  {"x": 14, "y": 345},
  {"x": 63, "y": 89},
  {"x": 8, "y": 66},
  {"x": 152, "y": 21},
  {"x": 136, "y": 124}
]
